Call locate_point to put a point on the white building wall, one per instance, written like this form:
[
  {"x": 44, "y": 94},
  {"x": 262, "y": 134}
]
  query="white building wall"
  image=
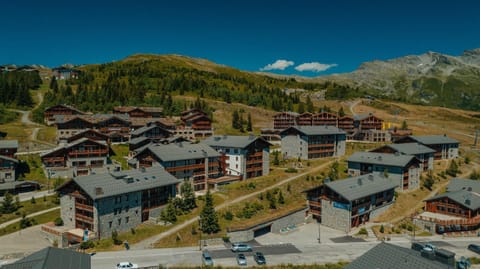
[
  {"x": 340, "y": 148},
  {"x": 236, "y": 163}
]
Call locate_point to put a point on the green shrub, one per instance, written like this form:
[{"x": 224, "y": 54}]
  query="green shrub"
[
  {"x": 363, "y": 231},
  {"x": 291, "y": 170},
  {"x": 87, "y": 244},
  {"x": 58, "y": 221}
]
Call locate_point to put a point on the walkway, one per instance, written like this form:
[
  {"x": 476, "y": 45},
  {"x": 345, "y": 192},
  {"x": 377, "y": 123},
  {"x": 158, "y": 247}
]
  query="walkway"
[{"x": 148, "y": 243}]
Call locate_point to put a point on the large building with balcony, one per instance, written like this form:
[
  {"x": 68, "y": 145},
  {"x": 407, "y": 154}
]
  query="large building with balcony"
[
  {"x": 139, "y": 112},
  {"x": 50, "y": 112},
  {"x": 195, "y": 125},
  {"x": 117, "y": 201},
  {"x": 8, "y": 148},
  {"x": 311, "y": 142},
  {"x": 81, "y": 157},
  {"x": 246, "y": 156},
  {"x": 196, "y": 162},
  {"x": 444, "y": 146},
  {"x": 347, "y": 203},
  {"x": 404, "y": 170},
  {"x": 423, "y": 153}
]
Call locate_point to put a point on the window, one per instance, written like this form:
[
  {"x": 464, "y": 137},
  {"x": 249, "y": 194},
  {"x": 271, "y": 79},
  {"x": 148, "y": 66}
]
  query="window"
[
  {"x": 127, "y": 219},
  {"x": 126, "y": 195},
  {"x": 109, "y": 224},
  {"x": 119, "y": 221}
]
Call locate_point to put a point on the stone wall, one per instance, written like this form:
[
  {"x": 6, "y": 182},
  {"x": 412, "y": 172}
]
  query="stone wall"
[
  {"x": 67, "y": 210},
  {"x": 293, "y": 147},
  {"x": 266, "y": 162},
  {"x": 118, "y": 215},
  {"x": 336, "y": 218},
  {"x": 379, "y": 210}
]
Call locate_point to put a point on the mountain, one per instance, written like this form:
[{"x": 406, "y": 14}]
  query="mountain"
[{"x": 431, "y": 78}]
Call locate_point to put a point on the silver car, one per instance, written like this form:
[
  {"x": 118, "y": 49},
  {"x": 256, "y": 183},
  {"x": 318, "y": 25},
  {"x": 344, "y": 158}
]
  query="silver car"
[
  {"x": 241, "y": 259},
  {"x": 241, "y": 247},
  {"x": 207, "y": 259}
]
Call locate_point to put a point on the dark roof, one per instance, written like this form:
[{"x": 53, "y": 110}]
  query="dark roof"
[
  {"x": 363, "y": 116},
  {"x": 143, "y": 129},
  {"x": 463, "y": 184},
  {"x": 233, "y": 141},
  {"x": 465, "y": 198},
  {"x": 8, "y": 144},
  {"x": 103, "y": 185},
  {"x": 389, "y": 256},
  {"x": 316, "y": 130},
  {"x": 12, "y": 185},
  {"x": 411, "y": 148},
  {"x": 434, "y": 139},
  {"x": 52, "y": 258},
  {"x": 361, "y": 186},
  {"x": 95, "y": 118},
  {"x": 73, "y": 143},
  {"x": 137, "y": 140},
  {"x": 182, "y": 151},
  {"x": 396, "y": 160},
  {"x": 65, "y": 106}
]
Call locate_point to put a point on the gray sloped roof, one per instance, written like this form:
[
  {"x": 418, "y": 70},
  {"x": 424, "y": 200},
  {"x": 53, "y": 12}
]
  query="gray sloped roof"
[
  {"x": 434, "y": 139},
  {"x": 465, "y": 198},
  {"x": 116, "y": 183},
  {"x": 396, "y": 160},
  {"x": 316, "y": 130},
  {"x": 411, "y": 148},
  {"x": 389, "y": 256},
  {"x": 137, "y": 140},
  {"x": 232, "y": 141},
  {"x": 182, "y": 151},
  {"x": 144, "y": 129},
  {"x": 8, "y": 144},
  {"x": 73, "y": 143},
  {"x": 52, "y": 258},
  {"x": 361, "y": 186},
  {"x": 463, "y": 184}
]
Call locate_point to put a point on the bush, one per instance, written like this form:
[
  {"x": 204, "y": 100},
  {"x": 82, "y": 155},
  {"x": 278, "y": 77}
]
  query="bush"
[
  {"x": 115, "y": 239},
  {"x": 363, "y": 231},
  {"x": 226, "y": 238},
  {"x": 291, "y": 170},
  {"x": 87, "y": 245},
  {"x": 133, "y": 231},
  {"x": 58, "y": 221},
  {"x": 382, "y": 229},
  {"x": 228, "y": 215}
]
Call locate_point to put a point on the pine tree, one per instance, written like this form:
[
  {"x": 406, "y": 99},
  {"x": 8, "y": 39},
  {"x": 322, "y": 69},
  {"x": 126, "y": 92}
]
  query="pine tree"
[
  {"x": 281, "y": 199},
  {"x": 404, "y": 125},
  {"x": 301, "y": 108},
  {"x": 53, "y": 83},
  {"x": 170, "y": 212},
  {"x": 208, "y": 216},
  {"x": 249, "y": 123},
  {"x": 8, "y": 205},
  {"x": 310, "y": 105},
  {"x": 188, "y": 195},
  {"x": 341, "y": 113},
  {"x": 236, "y": 120}
]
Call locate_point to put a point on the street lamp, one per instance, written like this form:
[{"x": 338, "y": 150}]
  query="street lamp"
[
  {"x": 413, "y": 221},
  {"x": 319, "y": 238},
  {"x": 200, "y": 234}
]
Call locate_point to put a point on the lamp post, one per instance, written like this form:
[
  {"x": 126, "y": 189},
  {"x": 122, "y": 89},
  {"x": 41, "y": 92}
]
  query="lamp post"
[
  {"x": 200, "y": 234},
  {"x": 413, "y": 221},
  {"x": 319, "y": 237}
]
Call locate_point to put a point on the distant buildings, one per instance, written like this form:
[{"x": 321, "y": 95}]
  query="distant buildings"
[
  {"x": 347, "y": 203},
  {"x": 8, "y": 162},
  {"x": 117, "y": 201},
  {"x": 404, "y": 170},
  {"x": 195, "y": 125},
  {"x": 424, "y": 154},
  {"x": 246, "y": 156},
  {"x": 310, "y": 142},
  {"x": 50, "y": 112},
  {"x": 62, "y": 72},
  {"x": 139, "y": 112}
]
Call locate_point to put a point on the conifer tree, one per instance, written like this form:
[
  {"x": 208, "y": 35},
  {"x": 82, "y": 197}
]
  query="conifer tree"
[
  {"x": 188, "y": 195},
  {"x": 208, "y": 216},
  {"x": 249, "y": 123}
]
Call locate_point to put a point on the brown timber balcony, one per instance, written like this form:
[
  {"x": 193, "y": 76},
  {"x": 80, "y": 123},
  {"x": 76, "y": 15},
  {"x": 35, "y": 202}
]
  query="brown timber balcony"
[
  {"x": 84, "y": 207},
  {"x": 186, "y": 167},
  {"x": 315, "y": 203},
  {"x": 98, "y": 152},
  {"x": 83, "y": 218}
]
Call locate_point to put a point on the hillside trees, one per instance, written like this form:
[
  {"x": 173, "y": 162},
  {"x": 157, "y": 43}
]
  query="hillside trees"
[
  {"x": 208, "y": 216},
  {"x": 15, "y": 86}
]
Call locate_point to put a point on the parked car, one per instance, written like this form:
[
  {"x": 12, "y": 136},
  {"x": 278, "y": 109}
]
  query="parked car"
[
  {"x": 126, "y": 265},
  {"x": 241, "y": 259},
  {"x": 259, "y": 258},
  {"x": 475, "y": 248},
  {"x": 241, "y": 247},
  {"x": 417, "y": 246},
  {"x": 207, "y": 259},
  {"x": 430, "y": 247}
]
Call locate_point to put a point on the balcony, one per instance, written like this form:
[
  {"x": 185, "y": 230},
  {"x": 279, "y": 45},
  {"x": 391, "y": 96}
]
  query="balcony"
[
  {"x": 186, "y": 167},
  {"x": 254, "y": 161},
  {"x": 315, "y": 203},
  {"x": 84, "y": 207},
  {"x": 98, "y": 152},
  {"x": 83, "y": 218}
]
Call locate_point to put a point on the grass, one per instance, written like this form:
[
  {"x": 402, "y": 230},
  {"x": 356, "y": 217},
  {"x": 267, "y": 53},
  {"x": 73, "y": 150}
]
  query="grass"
[
  {"x": 120, "y": 151},
  {"x": 47, "y": 134},
  {"x": 30, "y": 208},
  {"x": 34, "y": 170},
  {"x": 338, "y": 265},
  {"x": 40, "y": 219}
]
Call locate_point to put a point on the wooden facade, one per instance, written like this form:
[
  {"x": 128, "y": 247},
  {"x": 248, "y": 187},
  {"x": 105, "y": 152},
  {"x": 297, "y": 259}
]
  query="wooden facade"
[
  {"x": 83, "y": 153},
  {"x": 50, "y": 113},
  {"x": 139, "y": 112},
  {"x": 284, "y": 120}
]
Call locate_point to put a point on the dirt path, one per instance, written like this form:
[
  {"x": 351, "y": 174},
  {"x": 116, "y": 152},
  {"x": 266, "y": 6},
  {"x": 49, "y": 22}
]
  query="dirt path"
[
  {"x": 352, "y": 106},
  {"x": 148, "y": 243},
  {"x": 5, "y": 224}
]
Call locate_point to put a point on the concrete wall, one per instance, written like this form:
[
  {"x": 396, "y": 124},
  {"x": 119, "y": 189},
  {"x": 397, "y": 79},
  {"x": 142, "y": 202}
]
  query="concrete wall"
[
  {"x": 414, "y": 178},
  {"x": 295, "y": 218},
  {"x": 106, "y": 220},
  {"x": 266, "y": 162},
  {"x": 452, "y": 153},
  {"x": 293, "y": 147},
  {"x": 336, "y": 218},
  {"x": 340, "y": 149},
  {"x": 236, "y": 162},
  {"x": 379, "y": 210},
  {"x": 88, "y": 161},
  {"x": 67, "y": 210}
]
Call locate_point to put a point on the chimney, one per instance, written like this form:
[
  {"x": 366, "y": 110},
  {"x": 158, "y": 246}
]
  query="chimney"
[
  {"x": 142, "y": 169},
  {"x": 98, "y": 191},
  {"x": 359, "y": 181},
  {"x": 370, "y": 177}
]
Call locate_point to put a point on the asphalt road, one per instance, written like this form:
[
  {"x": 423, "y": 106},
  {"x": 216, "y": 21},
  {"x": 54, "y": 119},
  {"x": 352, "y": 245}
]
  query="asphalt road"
[{"x": 266, "y": 250}]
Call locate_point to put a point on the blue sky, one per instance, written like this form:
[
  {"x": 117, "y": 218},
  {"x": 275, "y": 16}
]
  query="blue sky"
[{"x": 308, "y": 38}]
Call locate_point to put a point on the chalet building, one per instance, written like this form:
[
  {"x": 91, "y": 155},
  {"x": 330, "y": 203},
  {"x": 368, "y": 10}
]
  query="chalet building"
[
  {"x": 310, "y": 142},
  {"x": 154, "y": 130},
  {"x": 116, "y": 127},
  {"x": 50, "y": 112},
  {"x": 195, "y": 124},
  {"x": 139, "y": 112},
  {"x": 386, "y": 255},
  {"x": 65, "y": 73},
  {"x": 397, "y": 134},
  {"x": 346, "y": 123},
  {"x": 444, "y": 146},
  {"x": 118, "y": 200},
  {"x": 188, "y": 161},
  {"x": 324, "y": 118},
  {"x": 424, "y": 154},
  {"x": 305, "y": 119},
  {"x": 165, "y": 123},
  {"x": 368, "y": 122},
  {"x": 375, "y": 136},
  {"x": 456, "y": 210},
  {"x": 83, "y": 156},
  {"x": 90, "y": 134},
  {"x": 271, "y": 135},
  {"x": 7, "y": 169},
  {"x": 284, "y": 120},
  {"x": 52, "y": 258},
  {"x": 8, "y": 148},
  {"x": 404, "y": 170},
  {"x": 246, "y": 156},
  {"x": 348, "y": 203}
]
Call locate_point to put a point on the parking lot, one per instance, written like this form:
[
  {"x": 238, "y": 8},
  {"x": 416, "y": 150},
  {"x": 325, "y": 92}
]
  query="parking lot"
[{"x": 279, "y": 249}]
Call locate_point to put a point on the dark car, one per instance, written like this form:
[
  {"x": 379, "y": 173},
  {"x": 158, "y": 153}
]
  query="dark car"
[
  {"x": 259, "y": 258},
  {"x": 475, "y": 248},
  {"x": 417, "y": 246}
]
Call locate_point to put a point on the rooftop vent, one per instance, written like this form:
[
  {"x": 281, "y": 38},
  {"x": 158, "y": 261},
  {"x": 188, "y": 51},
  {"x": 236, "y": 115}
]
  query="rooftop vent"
[
  {"x": 469, "y": 189},
  {"x": 359, "y": 181},
  {"x": 98, "y": 191},
  {"x": 129, "y": 179},
  {"x": 217, "y": 138},
  {"x": 370, "y": 177},
  {"x": 468, "y": 202},
  {"x": 142, "y": 169}
]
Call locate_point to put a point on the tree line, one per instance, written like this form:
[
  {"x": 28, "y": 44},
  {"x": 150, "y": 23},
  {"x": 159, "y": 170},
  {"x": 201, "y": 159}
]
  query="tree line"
[{"x": 15, "y": 87}]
